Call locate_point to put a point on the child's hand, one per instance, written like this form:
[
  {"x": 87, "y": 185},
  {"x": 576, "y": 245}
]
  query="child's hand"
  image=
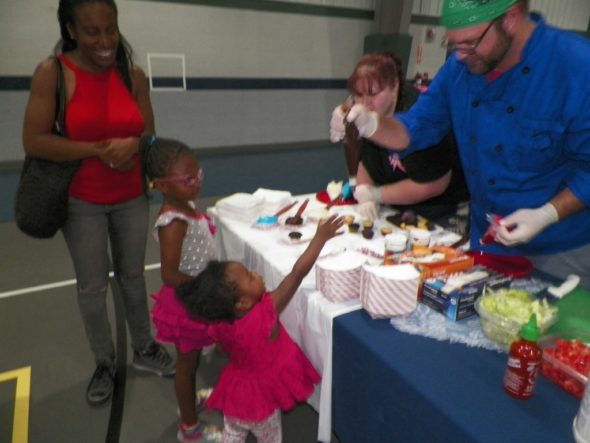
[{"x": 328, "y": 228}]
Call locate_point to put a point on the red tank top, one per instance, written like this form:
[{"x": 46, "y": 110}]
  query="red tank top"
[{"x": 102, "y": 107}]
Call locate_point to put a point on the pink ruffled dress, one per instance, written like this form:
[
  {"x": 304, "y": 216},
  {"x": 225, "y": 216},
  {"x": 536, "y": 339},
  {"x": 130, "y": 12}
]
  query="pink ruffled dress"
[
  {"x": 263, "y": 374},
  {"x": 173, "y": 323}
]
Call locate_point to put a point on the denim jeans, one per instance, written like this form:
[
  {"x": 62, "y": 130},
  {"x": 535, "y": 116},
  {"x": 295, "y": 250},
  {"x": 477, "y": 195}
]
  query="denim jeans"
[{"x": 87, "y": 232}]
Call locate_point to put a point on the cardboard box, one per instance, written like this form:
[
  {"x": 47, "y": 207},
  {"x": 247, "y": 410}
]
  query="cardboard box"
[
  {"x": 437, "y": 261},
  {"x": 449, "y": 308},
  {"x": 454, "y": 295}
]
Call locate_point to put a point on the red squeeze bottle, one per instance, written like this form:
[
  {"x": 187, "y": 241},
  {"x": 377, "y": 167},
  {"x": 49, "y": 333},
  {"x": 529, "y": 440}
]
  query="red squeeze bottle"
[
  {"x": 524, "y": 360},
  {"x": 490, "y": 235}
]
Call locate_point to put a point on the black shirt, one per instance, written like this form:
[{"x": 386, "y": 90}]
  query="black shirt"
[{"x": 385, "y": 167}]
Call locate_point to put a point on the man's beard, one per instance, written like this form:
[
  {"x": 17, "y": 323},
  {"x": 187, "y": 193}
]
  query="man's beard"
[{"x": 484, "y": 65}]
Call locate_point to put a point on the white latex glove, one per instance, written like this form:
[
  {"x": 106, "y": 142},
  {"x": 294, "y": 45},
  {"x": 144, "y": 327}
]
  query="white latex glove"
[
  {"x": 369, "y": 210},
  {"x": 522, "y": 225},
  {"x": 365, "y": 121},
  {"x": 367, "y": 193},
  {"x": 337, "y": 128}
]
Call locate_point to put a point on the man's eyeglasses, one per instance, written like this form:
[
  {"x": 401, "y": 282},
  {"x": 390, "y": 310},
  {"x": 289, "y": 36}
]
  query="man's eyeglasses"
[
  {"x": 186, "y": 180},
  {"x": 468, "y": 47}
]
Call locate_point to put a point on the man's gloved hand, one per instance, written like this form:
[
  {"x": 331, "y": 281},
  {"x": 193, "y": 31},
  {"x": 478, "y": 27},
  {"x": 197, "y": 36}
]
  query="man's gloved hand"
[
  {"x": 337, "y": 129},
  {"x": 369, "y": 210},
  {"x": 367, "y": 193},
  {"x": 365, "y": 121},
  {"x": 522, "y": 225}
]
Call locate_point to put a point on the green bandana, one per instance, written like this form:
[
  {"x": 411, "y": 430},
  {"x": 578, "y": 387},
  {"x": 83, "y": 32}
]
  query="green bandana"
[{"x": 464, "y": 13}]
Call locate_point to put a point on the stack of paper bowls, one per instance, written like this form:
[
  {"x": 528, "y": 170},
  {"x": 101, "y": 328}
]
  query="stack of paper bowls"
[
  {"x": 387, "y": 291},
  {"x": 241, "y": 206},
  {"x": 338, "y": 277}
]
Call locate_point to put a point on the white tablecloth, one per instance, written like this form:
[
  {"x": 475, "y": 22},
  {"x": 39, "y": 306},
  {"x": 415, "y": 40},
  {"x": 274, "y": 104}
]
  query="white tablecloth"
[{"x": 308, "y": 317}]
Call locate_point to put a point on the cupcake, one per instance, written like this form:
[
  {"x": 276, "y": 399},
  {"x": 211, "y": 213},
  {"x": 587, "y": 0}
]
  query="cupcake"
[
  {"x": 353, "y": 227},
  {"x": 409, "y": 217},
  {"x": 367, "y": 224},
  {"x": 295, "y": 220},
  {"x": 368, "y": 233}
]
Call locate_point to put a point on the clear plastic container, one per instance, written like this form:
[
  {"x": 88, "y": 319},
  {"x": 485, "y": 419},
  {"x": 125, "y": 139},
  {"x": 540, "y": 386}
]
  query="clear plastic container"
[
  {"x": 581, "y": 426},
  {"x": 504, "y": 330},
  {"x": 564, "y": 373}
]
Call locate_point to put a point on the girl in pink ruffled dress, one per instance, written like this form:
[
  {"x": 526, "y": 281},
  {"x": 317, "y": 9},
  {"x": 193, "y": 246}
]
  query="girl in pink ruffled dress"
[
  {"x": 186, "y": 243},
  {"x": 267, "y": 372}
]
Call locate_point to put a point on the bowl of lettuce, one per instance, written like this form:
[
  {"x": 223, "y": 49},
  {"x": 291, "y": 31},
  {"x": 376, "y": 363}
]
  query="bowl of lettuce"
[{"x": 502, "y": 312}]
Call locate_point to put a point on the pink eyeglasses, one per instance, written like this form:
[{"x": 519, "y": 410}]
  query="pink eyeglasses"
[{"x": 186, "y": 180}]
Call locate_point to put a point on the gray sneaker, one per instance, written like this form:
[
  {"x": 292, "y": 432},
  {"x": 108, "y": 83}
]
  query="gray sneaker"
[
  {"x": 156, "y": 359},
  {"x": 101, "y": 384}
]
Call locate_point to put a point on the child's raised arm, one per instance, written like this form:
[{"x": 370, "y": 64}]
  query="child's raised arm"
[{"x": 326, "y": 230}]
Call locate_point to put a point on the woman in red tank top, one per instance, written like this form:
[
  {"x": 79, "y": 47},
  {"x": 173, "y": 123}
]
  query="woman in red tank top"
[{"x": 108, "y": 109}]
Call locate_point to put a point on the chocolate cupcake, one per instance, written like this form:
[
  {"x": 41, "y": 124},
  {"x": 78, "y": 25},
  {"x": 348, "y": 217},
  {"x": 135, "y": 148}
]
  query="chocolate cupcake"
[
  {"x": 409, "y": 217},
  {"x": 367, "y": 224},
  {"x": 368, "y": 233},
  {"x": 295, "y": 220}
]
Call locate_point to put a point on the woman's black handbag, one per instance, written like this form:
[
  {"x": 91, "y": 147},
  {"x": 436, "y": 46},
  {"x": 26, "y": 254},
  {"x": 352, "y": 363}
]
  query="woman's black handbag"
[{"x": 41, "y": 206}]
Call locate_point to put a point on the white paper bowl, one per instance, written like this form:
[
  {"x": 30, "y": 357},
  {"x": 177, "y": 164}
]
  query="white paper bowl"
[
  {"x": 338, "y": 277},
  {"x": 388, "y": 291}
]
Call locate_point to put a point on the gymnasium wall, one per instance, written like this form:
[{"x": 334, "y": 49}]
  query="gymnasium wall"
[
  {"x": 279, "y": 74},
  {"x": 262, "y": 77}
]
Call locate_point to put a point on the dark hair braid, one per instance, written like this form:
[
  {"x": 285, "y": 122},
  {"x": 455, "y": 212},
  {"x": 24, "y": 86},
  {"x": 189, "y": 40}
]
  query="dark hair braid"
[
  {"x": 157, "y": 154},
  {"x": 65, "y": 16},
  {"x": 209, "y": 295}
]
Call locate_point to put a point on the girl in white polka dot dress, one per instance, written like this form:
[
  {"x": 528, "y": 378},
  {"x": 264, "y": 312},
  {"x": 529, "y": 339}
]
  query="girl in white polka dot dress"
[{"x": 186, "y": 243}]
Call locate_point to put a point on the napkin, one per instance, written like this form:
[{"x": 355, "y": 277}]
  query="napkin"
[
  {"x": 241, "y": 206},
  {"x": 273, "y": 200},
  {"x": 334, "y": 189}
]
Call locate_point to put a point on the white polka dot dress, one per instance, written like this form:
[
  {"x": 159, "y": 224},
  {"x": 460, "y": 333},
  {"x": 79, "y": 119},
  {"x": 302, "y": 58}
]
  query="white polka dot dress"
[{"x": 198, "y": 246}]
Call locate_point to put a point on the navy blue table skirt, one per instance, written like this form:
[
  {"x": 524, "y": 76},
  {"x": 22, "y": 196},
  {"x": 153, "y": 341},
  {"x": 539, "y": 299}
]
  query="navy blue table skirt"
[{"x": 389, "y": 386}]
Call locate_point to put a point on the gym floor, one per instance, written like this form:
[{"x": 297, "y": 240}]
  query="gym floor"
[{"x": 46, "y": 363}]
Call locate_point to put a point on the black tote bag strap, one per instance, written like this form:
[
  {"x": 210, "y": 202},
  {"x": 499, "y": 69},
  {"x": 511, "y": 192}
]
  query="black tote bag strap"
[{"x": 60, "y": 100}]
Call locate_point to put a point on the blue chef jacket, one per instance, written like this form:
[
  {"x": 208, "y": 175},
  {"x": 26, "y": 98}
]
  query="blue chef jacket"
[{"x": 522, "y": 138}]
